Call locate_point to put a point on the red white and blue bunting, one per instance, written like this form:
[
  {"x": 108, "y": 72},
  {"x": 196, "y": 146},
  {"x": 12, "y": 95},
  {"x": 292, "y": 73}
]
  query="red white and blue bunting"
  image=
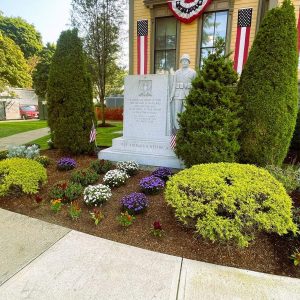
[{"x": 188, "y": 10}]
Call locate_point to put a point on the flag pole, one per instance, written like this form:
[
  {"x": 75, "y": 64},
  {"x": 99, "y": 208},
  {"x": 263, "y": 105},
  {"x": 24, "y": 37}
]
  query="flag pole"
[{"x": 96, "y": 134}]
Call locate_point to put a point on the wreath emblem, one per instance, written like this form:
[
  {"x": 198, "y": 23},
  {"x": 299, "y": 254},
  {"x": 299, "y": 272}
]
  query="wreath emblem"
[{"x": 188, "y": 10}]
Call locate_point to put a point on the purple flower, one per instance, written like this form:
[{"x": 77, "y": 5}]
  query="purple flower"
[
  {"x": 66, "y": 163},
  {"x": 152, "y": 184},
  {"x": 134, "y": 203},
  {"x": 163, "y": 173}
]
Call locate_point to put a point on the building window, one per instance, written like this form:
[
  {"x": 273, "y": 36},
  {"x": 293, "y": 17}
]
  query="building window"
[
  {"x": 165, "y": 45},
  {"x": 214, "y": 25}
]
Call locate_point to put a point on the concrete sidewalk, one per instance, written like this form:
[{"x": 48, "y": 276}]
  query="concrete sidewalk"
[
  {"x": 44, "y": 261},
  {"x": 23, "y": 137}
]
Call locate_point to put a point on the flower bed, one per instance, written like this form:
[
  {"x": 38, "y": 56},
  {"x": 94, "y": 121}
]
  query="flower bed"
[{"x": 268, "y": 253}]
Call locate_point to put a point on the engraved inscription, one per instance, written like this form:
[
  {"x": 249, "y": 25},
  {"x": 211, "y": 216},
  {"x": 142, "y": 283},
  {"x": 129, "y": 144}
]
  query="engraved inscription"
[{"x": 145, "y": 110}]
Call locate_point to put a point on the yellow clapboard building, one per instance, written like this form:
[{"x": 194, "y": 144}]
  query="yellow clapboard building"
[{"x": 160, "y": 35}]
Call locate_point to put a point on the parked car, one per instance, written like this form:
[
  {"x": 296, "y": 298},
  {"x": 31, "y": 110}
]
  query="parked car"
[{"x": 29, "y": 112}]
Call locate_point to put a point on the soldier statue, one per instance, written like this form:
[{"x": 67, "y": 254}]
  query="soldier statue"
[{"x": 181, "y": 87}]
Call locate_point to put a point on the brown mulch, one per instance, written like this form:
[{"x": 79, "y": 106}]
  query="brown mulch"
[{"x": 267, "y": 253}]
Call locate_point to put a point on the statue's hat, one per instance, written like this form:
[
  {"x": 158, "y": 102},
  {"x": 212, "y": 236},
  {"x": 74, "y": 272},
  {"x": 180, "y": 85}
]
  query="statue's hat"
[{"x": 185, "y": 56}]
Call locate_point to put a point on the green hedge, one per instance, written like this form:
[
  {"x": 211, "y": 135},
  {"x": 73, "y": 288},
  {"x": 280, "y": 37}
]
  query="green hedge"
[
  {"x": 70, "y": 97},
  {"x": 209, "y": 127},
  {"x": 269, "y": 90},
  {"x": 230, "y": 202}
]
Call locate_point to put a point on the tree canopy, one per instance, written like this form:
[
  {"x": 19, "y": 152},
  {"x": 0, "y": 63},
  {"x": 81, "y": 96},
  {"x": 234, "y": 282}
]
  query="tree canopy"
[
  {"x": 41, "y": 72},
  {"x": 99, "y": 22},
  {"x": 23, "y": 34},
  {"x": 13, "y": 67}
]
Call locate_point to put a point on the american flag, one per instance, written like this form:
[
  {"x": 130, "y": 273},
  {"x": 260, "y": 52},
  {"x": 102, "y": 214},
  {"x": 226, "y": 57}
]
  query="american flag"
[
  {"x": 173, "y": 139},
  {"x": 142, "y": 45},
  {"x": 93, "y": 133},
  {"x": 242, "y": 38}
]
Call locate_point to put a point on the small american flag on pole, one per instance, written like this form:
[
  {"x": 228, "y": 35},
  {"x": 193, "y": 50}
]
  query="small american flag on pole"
[
  {"x": 142, "y": 45},
  {"x": 93, "y": 133},
  {"x": 173, "y": 139},
  {"x": 242, "y": 38}
]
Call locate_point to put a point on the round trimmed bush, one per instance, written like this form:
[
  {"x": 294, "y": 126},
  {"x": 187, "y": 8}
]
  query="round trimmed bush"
[
  {"x": 134, "y": 203},
  {"x": 151, "y": 185},
  {"x": 96, "y": 194},
  {"x": 115, "y": 178},
  {"x": 230, "y": 202},
  {"x": 129, "y": 167},
  {"x": 25, "y": 174}
]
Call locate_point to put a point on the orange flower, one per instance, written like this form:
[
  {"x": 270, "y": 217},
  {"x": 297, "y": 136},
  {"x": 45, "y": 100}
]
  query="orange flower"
[{"x": 56, "y": 201}]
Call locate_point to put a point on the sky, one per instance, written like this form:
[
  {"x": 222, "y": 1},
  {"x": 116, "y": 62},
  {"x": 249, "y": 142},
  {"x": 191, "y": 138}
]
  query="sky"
[{"x": 50, "y": 17}]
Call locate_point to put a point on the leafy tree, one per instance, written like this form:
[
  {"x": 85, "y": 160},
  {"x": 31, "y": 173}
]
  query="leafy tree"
[
  {"x": 69, "y": 97},
  {"x": 268, "y": 89},
  {"x": 23, "y": 34},
  {"x": 100, "y": 22},
  {"x": 209, "y": 127},
  {"x": 115, "y": 79},
  {"x": 41, "y": 72},
  {"x": 13, "y": 66}
]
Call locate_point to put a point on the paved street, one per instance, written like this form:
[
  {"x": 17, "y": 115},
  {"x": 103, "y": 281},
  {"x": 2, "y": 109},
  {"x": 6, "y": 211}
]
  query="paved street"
[{"x": 44, "y": 261}]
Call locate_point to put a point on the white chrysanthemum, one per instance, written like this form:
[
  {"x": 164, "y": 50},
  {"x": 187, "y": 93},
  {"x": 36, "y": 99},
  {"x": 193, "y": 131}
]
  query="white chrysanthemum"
[
  {"x": 130, "y": 167},
  {"x": 96, "y": 194},
  {"x": 115, "y": 178}
]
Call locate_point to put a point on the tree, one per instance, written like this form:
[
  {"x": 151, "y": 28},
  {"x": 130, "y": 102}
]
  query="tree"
[
  {"x": 268, "y": 89},
  {"x": 69, "y": 97},
  {"x": 115, "y": 80},
  {"x": 23, "y": 34},
  {"x": 13, "y": 66},
  {"x": 100, "y": 21},
  {"x": 209, "y": 127},
  {"x": 41, "y": 72}
]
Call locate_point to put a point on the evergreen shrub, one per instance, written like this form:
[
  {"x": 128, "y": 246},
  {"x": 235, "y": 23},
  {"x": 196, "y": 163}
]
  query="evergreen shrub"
[
  {"x": 269, "y": 90},
  {"x": 70, "y": 96},
  {"x": 288, "y": 176},
  {"x": 25, "y": 174},
  {"x": 209, "y": 127},
  {"x": 230, "y": 202}
]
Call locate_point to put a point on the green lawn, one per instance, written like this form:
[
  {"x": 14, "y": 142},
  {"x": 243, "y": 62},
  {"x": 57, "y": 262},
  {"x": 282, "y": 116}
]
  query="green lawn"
[
  {"x": 10, "y": 128},
  {"x": 104, "y": 136}
]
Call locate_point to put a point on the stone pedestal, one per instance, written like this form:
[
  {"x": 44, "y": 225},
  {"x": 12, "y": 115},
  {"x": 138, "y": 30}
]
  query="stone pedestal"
[{"x": 146, "y": 134}]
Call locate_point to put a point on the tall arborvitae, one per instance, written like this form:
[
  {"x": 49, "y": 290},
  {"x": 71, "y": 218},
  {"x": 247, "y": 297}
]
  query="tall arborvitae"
[
  {"x": 209, "y": 127},
  {"x": 268, "y": 89},
  {"x": 70, "y": 97}
]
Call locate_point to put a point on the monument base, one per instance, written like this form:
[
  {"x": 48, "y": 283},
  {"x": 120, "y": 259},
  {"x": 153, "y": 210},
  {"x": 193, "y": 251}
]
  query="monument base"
[{"x": 144, "y": 152}]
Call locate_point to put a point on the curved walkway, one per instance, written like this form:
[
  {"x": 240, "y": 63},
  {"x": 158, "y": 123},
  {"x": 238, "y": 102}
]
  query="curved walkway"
[
  {"x": 23, "y": 138},
  {"x": 45, "y": 261}
]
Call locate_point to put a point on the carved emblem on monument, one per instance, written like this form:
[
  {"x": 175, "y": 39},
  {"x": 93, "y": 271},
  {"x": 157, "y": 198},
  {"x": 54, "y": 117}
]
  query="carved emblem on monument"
[{"x": 145, "y": 88}]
